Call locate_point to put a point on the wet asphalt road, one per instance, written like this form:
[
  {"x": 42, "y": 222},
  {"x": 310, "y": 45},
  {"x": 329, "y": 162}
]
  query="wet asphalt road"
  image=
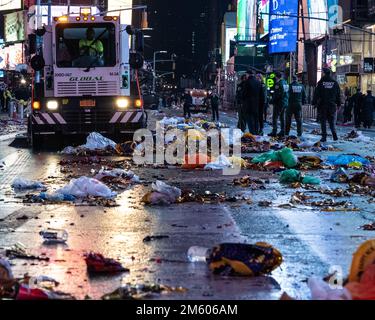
[{"x": 311, "y": 241}]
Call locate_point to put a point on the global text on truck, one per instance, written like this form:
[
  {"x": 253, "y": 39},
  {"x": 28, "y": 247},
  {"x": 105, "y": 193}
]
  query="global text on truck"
[{"x": 86, "y": 82}]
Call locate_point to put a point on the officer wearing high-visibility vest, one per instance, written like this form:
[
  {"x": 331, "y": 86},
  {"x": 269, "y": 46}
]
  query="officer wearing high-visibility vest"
[
  {"x": 280, "y": 103},
  {"x": 297, "y": 97},
  {"x": 90, "y": 46}
]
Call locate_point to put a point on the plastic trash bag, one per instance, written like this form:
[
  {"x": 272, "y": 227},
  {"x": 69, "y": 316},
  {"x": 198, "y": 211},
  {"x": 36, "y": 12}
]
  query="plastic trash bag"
[
  {"x": 162, "y": 194},
  {"x": 292, "y": 175},
  {"x": 321, "y": 290},
  {"x": 285, "y": 155},
  {"x": 269, "y": 156},
  {"x": 288, "y": 158},
  {"x": 24, "y": 184},
  {"x": 221, "y": 162},
  {"x": 310, "y": 180},
  {"x": 84, "y": 186},
  {"x": 162, "y": 187},
  {"x": 339, "y": 175},
  {"x": 97, "y": 141},
  {"x": 196, "y": 161},
  {"x": 171, "y": 121},
  {"x": 121, "y": 173},
  {"x": 56, "y": 197},
  {"x": 244, "y": 259},
  {"x": 345, "y": 159}
]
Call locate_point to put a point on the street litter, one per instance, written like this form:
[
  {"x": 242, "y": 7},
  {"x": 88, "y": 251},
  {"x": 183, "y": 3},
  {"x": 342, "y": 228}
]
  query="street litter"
[
  {"x": 346, "y": 159},
  {"x": 369, "y": 227},
  {"x": 94, "y": 142},
  {"x": 338, "y": 193},
  {"x": 330, "y": 205},
  {"x": 220, "y": 163},
  {"x": 357, "y": 136},
  {"x": 152, "y": 238},
  {"x": 54, "y": 236},
  {"x": 18, "y": 251},
  {"x": 24, "y": 184},
  {"x": 299, "y": 198},
  {"x": 321, "y": 290},
  {"x": 310, "y": 163},
  {"x": 195, "y": 161},
  {"x": 292, "y": 175},
  {"x": 264, "y": 203},
  {"x": 247, "y": 181},
  {"x": 162, "y": 194},
  {"x": 96, "y": 202},
  {"x": 84, "y": 186},
  {"x": 363, "y": 178},
  {"x": 117, "y": 178},
  {"x": 97, "y": 263},
  {"x": 340, "y": 175},
  {"x": 285, "y": 155},
  {"x": 141, "y": 291},
  {"x": 238, "y": 259}
]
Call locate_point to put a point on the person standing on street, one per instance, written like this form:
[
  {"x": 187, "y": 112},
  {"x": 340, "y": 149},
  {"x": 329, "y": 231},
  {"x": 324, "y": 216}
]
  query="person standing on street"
[
  {"x": 253, "y": 96},
  {"x": 262, "y": 106},
  {"x": 327, "y": 98},
  {"x": 215, "y": 100},
  {"x": 188, "y": 101},
  {"x": 357, "y": 101},
  {"x": 240, "y": 104},
  {"x": 280, "y": 103},
  {"x": 297, "y": 97},
  {"x": 368, "y": 108}
]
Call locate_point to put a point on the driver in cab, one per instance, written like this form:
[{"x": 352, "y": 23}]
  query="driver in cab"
[{"x": 91, "y": 48}]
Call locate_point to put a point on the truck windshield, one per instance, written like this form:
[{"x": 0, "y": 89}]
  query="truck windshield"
[{"x": 85, "y": 45}]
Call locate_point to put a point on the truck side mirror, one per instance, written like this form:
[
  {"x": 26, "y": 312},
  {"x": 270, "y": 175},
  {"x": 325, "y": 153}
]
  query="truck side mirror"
[
  {"x": 136, "y": 60},
  {"x": 37, "y": 62}
]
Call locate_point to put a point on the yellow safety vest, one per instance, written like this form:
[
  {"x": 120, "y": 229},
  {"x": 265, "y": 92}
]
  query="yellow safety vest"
[{"x": 98, "y": 46}]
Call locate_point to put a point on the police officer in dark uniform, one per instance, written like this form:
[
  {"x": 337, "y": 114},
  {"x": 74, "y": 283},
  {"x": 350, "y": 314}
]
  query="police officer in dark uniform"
[
  {"x": 356, "y": 102},
  {"x": 280, "y": 103},
  {"x": 240, "y": 103},
  {"x": 327, "y": 98},
  {"x": 297, "y": 97},
  {"x": 368, "y": 108}
]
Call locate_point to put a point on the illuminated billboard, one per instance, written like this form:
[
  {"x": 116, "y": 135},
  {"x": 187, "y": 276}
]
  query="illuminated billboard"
[
  {"x": 246, "y": 20},
  {"x": 283, "y": 26},
  {"x": 10, "y": 5},
  {"x": 14, "y": 27},
  {"x": 317, "y": 9},
  {"x": 125, "y": 15},
  {"x": 264, "y": 10}
]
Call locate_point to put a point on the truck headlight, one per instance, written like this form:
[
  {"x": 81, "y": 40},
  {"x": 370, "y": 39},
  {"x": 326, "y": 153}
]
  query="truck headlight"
[
  {"x": 122, "y": 103},
  {"x": 52, "y": 105}
]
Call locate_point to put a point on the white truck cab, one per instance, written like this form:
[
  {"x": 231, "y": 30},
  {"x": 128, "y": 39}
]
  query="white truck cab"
[{"x": 86, "y": 84}]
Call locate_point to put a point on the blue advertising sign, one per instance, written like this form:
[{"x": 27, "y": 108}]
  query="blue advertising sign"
[{"x": 283, "y": 26}]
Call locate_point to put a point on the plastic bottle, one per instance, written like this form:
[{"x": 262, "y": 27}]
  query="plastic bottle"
[
  {"x": 198, "y": 254},
  {"x": 54, "y": 235}
]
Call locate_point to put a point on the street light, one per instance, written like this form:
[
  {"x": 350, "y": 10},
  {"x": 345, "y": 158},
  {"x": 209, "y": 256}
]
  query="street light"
[{"x": 154, "y": 78}]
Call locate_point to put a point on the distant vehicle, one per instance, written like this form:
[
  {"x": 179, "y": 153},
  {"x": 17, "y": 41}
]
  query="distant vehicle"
[
  {"x": 87, "y": 82},
  {"x": 199, "y": 97}
]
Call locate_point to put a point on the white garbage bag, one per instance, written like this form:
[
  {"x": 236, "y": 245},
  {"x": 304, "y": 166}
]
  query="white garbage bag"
[
  {"x": 321, "y": 290},
  {"x": 221, "y": 162},
  {"x": 172, "y": 193},
  {"x": 84, "y": 186},
  {"x": 121, "y": 173},
  {"x": 23, "y": 184},
  {"x": 69, "y": 150},
  {"x": 97, "y": 141},
  {"x": 171, "y": 121}
]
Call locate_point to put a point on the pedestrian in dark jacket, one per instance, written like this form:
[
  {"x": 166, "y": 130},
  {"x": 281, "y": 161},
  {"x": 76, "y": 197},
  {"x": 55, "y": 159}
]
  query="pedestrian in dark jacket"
[
  {"x": 253, "y": 96},
  {"x": 280, "y": 103},
  {"x": 188, "y": 101},
  {"x": 368, "y": 109},
  {"x": 262, "y": 106},
  {"x": 348, "y": 107},
  {"x": 215, "y": 100},
  {"x": 297, "y": 97},
  {"x": 327, "y": 98},
  {"x": 240, "y": 104},
  {"x": 357, "y": 100}
]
